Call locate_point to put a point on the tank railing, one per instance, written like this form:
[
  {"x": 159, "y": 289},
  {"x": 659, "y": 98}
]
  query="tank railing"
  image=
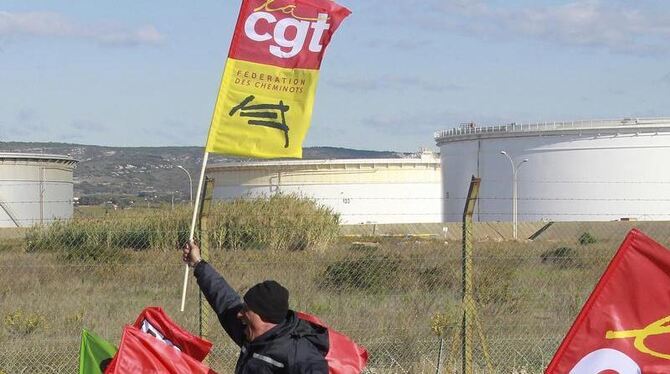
[{"x": 471, "y": 128}]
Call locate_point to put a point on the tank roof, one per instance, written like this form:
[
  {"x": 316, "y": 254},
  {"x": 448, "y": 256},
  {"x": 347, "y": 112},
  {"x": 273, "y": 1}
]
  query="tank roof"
[
  {"x": 16, "y": 156},
  {"x": 473, "y": 131},
  {"x": 425, "y": 158}
]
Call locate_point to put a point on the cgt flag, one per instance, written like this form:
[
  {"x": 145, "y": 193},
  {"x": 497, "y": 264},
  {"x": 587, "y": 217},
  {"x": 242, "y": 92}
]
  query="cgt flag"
[
  {"x": 154, "y": 321},
  {"x": 267, "y": 92},
  {"x": 141, "y": 353},
  {"x": 623, "y": 326}
]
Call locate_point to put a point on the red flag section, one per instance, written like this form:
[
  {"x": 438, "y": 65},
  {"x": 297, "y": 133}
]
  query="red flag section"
[
  {"x": 285, "y": 33},
  {"x": 344, "y": 355},
  {"x": 142, "y": 353},
  {"x": 624, "y": 325},
  {"x": 154, "y": 321}
]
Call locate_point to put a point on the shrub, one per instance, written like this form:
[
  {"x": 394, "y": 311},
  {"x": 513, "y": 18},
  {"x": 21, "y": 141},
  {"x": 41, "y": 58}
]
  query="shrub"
[
  {"x": 23, "y": 323},
  {"x": 441, "y": 323},
  {"x": 135, "y": 238},
  {"x": 280, "y": 222},
  {"x": 276, "y": 223},
  {"x": 586, "y": 239},
  {"x": 493, "y": 282},
  {"x": 562, "y": 257},
  {"x": 440, "y": 277},
  {"x": 373, "y": 273},
  {"x": 364, "y": 246}
]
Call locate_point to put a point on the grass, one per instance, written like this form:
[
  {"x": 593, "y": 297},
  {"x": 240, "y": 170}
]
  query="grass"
[{"x": 394, "y": 296}]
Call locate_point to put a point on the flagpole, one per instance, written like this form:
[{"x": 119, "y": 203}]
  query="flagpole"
[{"x": 196, "y": 210}]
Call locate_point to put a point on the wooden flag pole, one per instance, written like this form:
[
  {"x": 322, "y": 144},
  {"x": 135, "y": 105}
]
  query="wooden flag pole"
[{"x": 196, "y": 208}]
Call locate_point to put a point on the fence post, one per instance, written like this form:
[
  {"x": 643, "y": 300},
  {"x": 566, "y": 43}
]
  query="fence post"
[
  {"x": 467, "y": 297},
  {"x": 203, "y": 223},
  {"x": 439, "y": 357}
]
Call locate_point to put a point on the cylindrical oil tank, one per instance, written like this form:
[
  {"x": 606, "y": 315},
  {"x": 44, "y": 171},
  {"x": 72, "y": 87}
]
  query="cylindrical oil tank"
[
  {"x": 35, "y": 188},
  {"x": 402, "y": 190},
  {"x": 575, "y": 171}
]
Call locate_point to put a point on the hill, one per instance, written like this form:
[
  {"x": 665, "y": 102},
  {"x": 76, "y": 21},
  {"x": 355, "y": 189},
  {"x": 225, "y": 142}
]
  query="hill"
[{"x": 149, "y": 173}]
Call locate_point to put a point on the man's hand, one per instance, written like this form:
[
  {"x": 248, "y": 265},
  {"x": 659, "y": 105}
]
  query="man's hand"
[{"x": 191, "y": 254}]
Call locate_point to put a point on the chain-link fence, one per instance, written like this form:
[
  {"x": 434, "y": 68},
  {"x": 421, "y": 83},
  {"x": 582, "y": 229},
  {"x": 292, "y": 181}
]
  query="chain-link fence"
[{"x": 395, "y": 289}]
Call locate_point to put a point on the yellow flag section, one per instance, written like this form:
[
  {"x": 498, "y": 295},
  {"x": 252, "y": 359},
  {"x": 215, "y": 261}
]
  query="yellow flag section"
[{"x": 262, "y": 110}]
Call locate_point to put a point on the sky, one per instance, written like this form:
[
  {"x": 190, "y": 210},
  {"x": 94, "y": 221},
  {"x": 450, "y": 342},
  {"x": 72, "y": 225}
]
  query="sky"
[{"x": 146, "y": 73}]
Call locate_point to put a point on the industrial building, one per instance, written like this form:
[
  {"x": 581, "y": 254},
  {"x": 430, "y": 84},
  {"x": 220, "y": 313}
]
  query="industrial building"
[
  {"x": 400, "y": 190},
  {"x": 35, "y": 188},
  {"x": 565, "y": 171}
]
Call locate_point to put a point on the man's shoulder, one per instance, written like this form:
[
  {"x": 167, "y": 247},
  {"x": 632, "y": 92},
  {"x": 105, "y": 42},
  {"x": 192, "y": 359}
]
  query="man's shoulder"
[
  {"x": 308, "y": 359},
  {"x": 310, "y": 356}
]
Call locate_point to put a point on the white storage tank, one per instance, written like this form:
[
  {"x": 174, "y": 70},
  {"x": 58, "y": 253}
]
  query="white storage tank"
[
  {"x": 402, "y": 190},
  {"x": 35, "y": 188},
  {"x": 575, "y": 171}
]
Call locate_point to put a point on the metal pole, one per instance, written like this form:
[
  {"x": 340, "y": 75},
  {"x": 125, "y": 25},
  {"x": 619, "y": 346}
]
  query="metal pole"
[
  {"x": 514, "y": 195},
  {"x": 515, "y": 170},
  {"x": 439, "y": 357},
  {"x": 513, "y": 192},
  {"x": 190, "y": 183},
  {"x": 467, "y": 273}
]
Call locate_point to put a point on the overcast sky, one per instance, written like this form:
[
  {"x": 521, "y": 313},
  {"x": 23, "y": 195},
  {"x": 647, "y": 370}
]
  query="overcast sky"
[{"x": 146, "y": 73}]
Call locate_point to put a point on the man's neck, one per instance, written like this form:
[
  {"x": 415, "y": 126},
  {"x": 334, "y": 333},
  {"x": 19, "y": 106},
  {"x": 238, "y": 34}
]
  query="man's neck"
[{"x": 261, "y": 329}]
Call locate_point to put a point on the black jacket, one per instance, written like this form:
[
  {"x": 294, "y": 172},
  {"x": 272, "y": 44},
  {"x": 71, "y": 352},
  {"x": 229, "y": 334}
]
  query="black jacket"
[{"x": 294, "y": 346}]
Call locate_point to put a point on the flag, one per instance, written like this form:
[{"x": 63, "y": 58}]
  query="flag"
[
  {"x": 265, "y": 101},
  {"x": 141, "y": 353},
  {"x": 154, "y": 321},
  {"x": 344, "y": 355},
  {"x": 624, "y": 324},
  {"x": 94, "y": 353}
]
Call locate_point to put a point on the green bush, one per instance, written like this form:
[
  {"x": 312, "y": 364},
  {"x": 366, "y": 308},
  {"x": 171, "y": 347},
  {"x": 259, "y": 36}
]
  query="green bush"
[
  {"x": 493, "y": 282},
  {"x": 281, "y": 223},
  {"x": 586, "y": 239},
  {"x": 562, "y": 257},
  {"x": 364, "y": 246},
  {"x": 372, "y": 273},
  {"x": 138, "y": 238},
  {"x": 440, "y": 277}
]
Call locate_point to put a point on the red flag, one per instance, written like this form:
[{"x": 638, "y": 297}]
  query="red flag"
[
  {"x": 267, "y": 92},
  {"x": 344, "y": 355},
  {"x": 623, "y": 325},
  {"x": 285, "y": 33},
  {"x": 141, "y": 353},
  {"x": 154, "y": 321}
]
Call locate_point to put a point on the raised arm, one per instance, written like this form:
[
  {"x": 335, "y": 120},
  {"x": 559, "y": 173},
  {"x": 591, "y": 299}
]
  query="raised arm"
[{"x": 220, "y": 296}]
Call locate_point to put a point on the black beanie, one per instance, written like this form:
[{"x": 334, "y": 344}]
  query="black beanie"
[{"x": 269, "y": 300}]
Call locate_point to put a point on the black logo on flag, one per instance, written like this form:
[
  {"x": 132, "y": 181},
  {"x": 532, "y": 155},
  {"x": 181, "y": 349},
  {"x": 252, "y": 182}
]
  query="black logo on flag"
[{"x": 267, "y": 113}]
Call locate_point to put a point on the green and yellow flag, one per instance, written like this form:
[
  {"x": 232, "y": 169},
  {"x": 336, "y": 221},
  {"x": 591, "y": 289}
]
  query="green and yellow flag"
[
  {"x": 94, "y": 353},
  {"x": 265, "y": 101}
]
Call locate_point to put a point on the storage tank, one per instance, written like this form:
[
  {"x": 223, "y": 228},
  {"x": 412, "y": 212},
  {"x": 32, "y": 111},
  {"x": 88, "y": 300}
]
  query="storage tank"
[
  {"x": 402, "y": 190},
  {"x": 575, "y": 171},
  {"x": 35, "y": 188}
]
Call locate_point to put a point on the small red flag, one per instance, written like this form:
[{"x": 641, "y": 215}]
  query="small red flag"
[
  {"x": 154, "y": 321},
  {"x": 624, "y": 324},
  {"x": 344, "y": 355},
  {"x": 141, "y": 353}
]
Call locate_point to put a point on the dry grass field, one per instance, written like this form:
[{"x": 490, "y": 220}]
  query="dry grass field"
[{"x": 387, "y": 293}]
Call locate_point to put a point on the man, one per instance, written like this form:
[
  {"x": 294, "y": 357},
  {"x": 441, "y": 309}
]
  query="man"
[{"x": 271, "y": 337}]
